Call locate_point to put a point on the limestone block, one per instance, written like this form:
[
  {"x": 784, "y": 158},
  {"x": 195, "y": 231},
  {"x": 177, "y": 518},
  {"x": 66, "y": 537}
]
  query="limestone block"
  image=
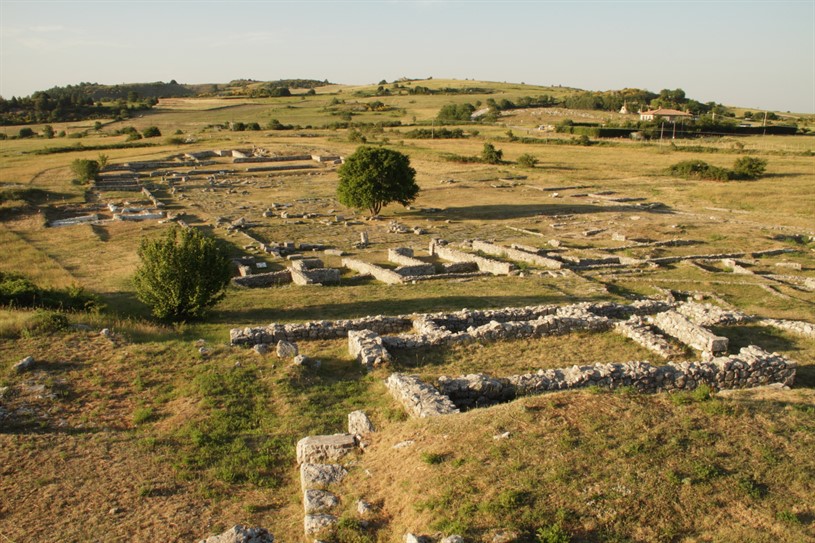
[
  {"x": 316, "y": 449},
  {"x": 241, "y": 534},
  {"x": 320, "y": 524},
  {"x": 320, "y": 476},
  {"x": 24, "y": 365},
  {"x": 319, "y": 501},
  {"x": 359, "y": 423},
  {"x": 286, "y": 349}
]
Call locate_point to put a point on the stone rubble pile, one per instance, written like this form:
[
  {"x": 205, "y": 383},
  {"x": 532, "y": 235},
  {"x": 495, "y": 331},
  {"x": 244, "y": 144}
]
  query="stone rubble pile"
[{"x": 241, "y": 534}]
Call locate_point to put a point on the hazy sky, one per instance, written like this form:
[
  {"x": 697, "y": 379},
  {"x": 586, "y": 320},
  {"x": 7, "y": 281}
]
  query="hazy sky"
[{"x": 757, "y": 54}]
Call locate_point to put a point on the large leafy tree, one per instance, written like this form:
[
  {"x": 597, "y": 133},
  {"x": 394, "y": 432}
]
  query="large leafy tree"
[
  {"x": 373, "y": 177},
  {"x": 181, "y": 275}
]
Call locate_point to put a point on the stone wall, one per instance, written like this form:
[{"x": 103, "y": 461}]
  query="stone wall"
[
  {"x": 260, "y": 280},
  {"x": 409, "y": 266},
  {"x": 367, "y": 347},
  {"x": 517, "y": 254},
  {"x": 315, "y": 276},
  {"x": 641, "y": 332},
  {"x": 418, "y": 398},
  {"x": 566, "y": 320},
  {"x": 484, "y": 264},
  {"x": 318, "y": 329},
  {"x": 800, "y": 328},
  {"x": 751, "y": 367},
  {"x": 677, "y": 325},
  {"x": 380, "y": 274},
  {"x": 711, "y": 315}
]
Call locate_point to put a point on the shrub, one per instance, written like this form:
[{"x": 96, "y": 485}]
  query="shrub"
[
  {"x": 491, "y": 155},
  {"x": 18, "y": 291},
  {"x": 527, "y": 160},
  {"x": 45, "y": 322},
  {"x": 749, "y": 167},
  {"x": 698, "y": 169},
  {"x": 25, "y": 133},
  {"x": 151, "y": 132},
  {"x": 181, "y": 275}
]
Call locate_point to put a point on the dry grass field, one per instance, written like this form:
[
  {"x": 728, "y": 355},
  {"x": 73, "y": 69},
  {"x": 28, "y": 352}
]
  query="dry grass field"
[{"x": 141, "y": 437}]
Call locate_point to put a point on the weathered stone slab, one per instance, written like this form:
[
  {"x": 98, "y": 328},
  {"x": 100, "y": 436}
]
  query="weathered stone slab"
[
  {"x": 320, "y": 524},
  {"x": 286, "y": 349},
  {"x": 319, "y": 501},
  {"x": 359, "y": 423},
  {"x": 319, "y": 449},
  {"x": 320, "y": 476},
  {"x": 241, "y": 534}
]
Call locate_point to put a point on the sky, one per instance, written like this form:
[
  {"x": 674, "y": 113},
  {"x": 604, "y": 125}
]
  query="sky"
[{"x": 755, "y": 54}]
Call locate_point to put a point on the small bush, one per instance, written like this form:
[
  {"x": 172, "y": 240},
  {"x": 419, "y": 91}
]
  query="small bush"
[
  {"x": 698, "y": 169},
  {"x": 527, "y": 160},
  {"x": 151, "y": 132},
  {"x": 749, "y": 167},
  {"x": 552, "y": 534},
  {"x": 433, "y": 458},
  {"x": 44, "y": 323}
]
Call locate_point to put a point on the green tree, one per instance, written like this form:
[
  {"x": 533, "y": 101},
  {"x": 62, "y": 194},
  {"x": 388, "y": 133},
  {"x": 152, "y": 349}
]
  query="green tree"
[
  {"x": 85, "y": 170},
  {"x": 373, "y": 177},
  {"x": 48, "y": 131},
  {"x": 103, "y": 161},
  {"x": 181, "y": 275},
  {"x": 491, "y": 155},
  {"x": 25, "y": 133}
]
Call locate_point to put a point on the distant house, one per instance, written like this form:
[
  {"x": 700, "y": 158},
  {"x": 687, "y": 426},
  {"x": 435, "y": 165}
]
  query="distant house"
[{"x": 667, "y": 114}]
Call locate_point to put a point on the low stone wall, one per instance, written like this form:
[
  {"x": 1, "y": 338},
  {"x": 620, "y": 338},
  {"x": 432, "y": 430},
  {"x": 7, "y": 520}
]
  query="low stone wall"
[
  {"x": 484, "y": 264},
  {"x": 74, "y": 220},
  {"x": 517, "y": 254},
  {"x": 418, "y": 398},
  {"x": 641, "y": 332},
  {"x": 151, "y": 197},
  {"x": 677, "y": 325},
  {"x": 752, "y": 367},
  {"x": 567, "y": 320},
  {"x": 367, "y": 347},
  {"x": 318, "y": 329},
  {"x": 139, "y": 216},
  {"x": 799, "y": 328},
  {"x": 315, "y": 276},
  {"x": 409, "y": 266},
  {"x": 260, "y": 280},
  {"x": 476, "y": 390},
  {"x": 380, "y": 274},
  {"x": 711, "y": 315}
]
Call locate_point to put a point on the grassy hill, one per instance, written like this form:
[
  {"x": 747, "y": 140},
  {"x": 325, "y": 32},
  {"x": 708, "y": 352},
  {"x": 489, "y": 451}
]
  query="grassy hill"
[{"x": 165, "y": 432}]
